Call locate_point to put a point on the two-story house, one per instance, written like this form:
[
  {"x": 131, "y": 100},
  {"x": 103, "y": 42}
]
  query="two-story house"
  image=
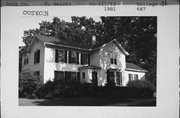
[{"x": 99, "y": 64}]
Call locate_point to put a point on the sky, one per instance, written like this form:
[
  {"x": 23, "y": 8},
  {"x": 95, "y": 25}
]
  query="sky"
[{"x": 33, "y": 23}]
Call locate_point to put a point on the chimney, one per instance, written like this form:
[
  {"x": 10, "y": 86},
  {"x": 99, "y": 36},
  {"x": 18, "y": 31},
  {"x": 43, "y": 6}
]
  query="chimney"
[{"x": 93, "y": 40}]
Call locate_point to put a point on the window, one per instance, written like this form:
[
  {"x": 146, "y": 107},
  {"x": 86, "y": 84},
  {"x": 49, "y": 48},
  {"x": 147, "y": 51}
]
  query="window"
[
  {"x": 73, "y": 57},
  {"x": 135, "y": 76},
  {"x": 84, "y": 58},
  {"x": 36, "y": 73},
  {"x": 26, "y": 59},
  {"x": 60, "y": 56},
  {"x": 59, "y": 75},
  {"x": 70, "y": 76},
  {"x": 73, "y": 75},
  {"x": 113, "y": 58},
  {"x": 37, "y": 57},
  {"x": 83, "y": 75},
  {"x": 130, "y": 77}
]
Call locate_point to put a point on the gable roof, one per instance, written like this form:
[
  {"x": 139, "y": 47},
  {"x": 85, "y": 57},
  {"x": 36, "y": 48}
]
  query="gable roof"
[
  {"x": 133, "y": 67},
  {"x": 55, "y": 41},
  {"x": 49, "y": 40}
]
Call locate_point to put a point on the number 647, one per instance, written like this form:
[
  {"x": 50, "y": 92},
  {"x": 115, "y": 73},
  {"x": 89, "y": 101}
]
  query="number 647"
[{"x": 141, "y": 8}]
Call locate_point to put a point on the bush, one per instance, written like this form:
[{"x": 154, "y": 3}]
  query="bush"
[
  {"x": 59, "y": 89},
  {"x": 28, "y": 85},
  {"x": 141, "y": 84}
]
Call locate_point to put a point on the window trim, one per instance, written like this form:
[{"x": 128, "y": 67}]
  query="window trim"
[
  {"x": 37, "y": 56},
  {"x": 131, "y": 78},
  {"x": 59, "y": 78},
  {"x": 83, "y": 75},
  {"x": 57, "y": 57},
  {"x": 87, "y": 59},
  {"x": 26, "y": 59},
  {"x": 113, "y": 58},
  {"x": 70, "y": 57}
]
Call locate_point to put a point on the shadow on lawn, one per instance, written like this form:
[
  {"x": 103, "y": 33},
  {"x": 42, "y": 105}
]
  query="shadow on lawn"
[
  {"x": 91, "y": 101},
  {"x": 81, "y": 101}
]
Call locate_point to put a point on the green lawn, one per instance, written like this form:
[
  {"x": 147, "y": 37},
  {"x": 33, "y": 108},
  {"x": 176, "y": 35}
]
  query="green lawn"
[{"x": 87, "y": 101}]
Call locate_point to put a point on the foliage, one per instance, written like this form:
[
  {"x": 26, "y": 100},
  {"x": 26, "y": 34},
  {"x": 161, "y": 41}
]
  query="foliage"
[
  {"x": 28, "y": 85},
  {"x": 141, "y": 84},
  {"x": 136, "y": 34},
  {"x": 59, "y": 89}
]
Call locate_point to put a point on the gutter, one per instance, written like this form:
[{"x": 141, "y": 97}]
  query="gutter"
[
  {"x": 129, "y": 69},
  {"x": 66, "y": 46}
]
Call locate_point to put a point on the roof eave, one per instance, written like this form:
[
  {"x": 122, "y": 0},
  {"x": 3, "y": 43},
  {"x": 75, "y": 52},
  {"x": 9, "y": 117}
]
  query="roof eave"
[
  {"x": 66, "y": 46},
  {"x": 137, "y": 70}
]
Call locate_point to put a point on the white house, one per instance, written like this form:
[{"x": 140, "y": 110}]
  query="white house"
[{"x": 100, "y": 64}]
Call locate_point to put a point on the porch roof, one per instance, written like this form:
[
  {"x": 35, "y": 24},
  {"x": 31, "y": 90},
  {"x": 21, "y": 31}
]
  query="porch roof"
[
  {"x": 133, "y": 67},
  {"x": 89, "y": 67}
]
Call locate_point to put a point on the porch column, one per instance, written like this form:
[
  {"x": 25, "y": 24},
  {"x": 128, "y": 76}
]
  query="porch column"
[
  {"x": 79, "y": 58},
  {"x": 67, "y": 56}
]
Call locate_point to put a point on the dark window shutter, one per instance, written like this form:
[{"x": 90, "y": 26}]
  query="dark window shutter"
[
  {"x": 78, "y": 77},
  {"x": 34, "y": 57},
  {"x": 88, "y": 59},
  {"x": 66, "y": 56},
  {"x": 111, "y": 60},
  {"x": 38, "y": 56},
  {"x": 56, "y": 55},
  {"x": 115, "y": 61},
  {"x": 81, "y": 59},
  {"x": 77, "y": 58},
  {"x": 69, "y": 56}
]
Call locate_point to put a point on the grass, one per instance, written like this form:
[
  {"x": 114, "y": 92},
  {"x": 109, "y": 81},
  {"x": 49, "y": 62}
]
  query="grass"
[{"x": 87, "y": 101}]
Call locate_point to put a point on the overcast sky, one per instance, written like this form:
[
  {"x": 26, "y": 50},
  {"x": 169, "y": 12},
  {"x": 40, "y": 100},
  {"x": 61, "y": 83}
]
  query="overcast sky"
[{"x": 33, "y": 22}]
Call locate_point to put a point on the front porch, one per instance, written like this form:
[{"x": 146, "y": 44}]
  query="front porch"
[{"x": 98, "y": 77}]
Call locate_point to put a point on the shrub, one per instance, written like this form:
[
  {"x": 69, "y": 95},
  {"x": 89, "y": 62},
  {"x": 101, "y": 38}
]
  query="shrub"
[
  {"x": 45, "y": 90},
  {"x": 58, "y": 89},
  {"x": 28, "y": 85},
  {"x": 141, "y": 84}
]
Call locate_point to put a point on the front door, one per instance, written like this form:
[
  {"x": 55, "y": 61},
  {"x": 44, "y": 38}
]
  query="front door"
[
  {"x": 110, "y": 78},
  {"x": 94, "y": 78}
]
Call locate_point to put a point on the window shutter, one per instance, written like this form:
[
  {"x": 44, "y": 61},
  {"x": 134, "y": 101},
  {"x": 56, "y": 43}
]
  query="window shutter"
[
  {"x": 66, "y": 56},
  {"x": 38, "y": 56},
  {"x": 34, "y": 57},
  {"x": 56, "y": 55},
  {"x": 77, "y": 57},
  {"x": 81, "y": 58},
  {"x": 78, "y": 77},
  {"x": 69, "y": 56},
  {"x": 88, "y": 59},
  {"x": 111, "y": 60},
  {"x": 115, "y": 61}
]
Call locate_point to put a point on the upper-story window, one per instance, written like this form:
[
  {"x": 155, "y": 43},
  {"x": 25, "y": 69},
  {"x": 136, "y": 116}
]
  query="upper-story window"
[
  {"x": 113, "y": 58},
  {"x": 73, "y": 57},
  {"x": 26, "y": 59},
  {"x": 84, "y": 58},
  {"x": 37, "y": 57},
  {"x": 61, "y": 56}
]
